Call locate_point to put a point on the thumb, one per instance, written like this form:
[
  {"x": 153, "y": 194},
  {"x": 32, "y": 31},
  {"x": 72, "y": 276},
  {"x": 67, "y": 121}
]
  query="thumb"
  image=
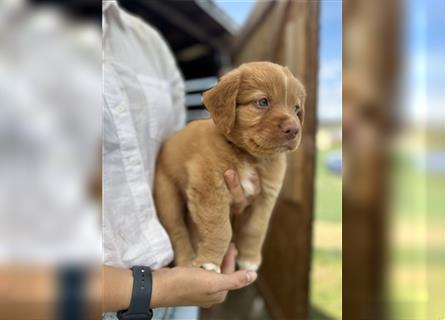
[{"x": 235, "y": 280}]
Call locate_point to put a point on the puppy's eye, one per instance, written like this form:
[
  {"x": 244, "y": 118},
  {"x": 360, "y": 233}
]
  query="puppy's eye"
[
  {"x": 263, "y": 103},
  {"x": 298, "y": 111}
]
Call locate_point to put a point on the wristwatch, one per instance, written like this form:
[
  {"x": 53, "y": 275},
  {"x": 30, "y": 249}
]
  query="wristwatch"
[{"x": 140, "y": 297}]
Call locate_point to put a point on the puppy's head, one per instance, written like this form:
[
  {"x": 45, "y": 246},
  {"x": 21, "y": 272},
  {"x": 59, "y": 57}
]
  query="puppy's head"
[{"x": 259, "y": 107}]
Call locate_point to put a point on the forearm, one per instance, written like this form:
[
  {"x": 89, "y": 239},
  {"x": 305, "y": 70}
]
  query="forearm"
[
  {"x": 25, "y": 293},
  {"x": 117, "y": 287},
  {"x": 34, "y": 292}
]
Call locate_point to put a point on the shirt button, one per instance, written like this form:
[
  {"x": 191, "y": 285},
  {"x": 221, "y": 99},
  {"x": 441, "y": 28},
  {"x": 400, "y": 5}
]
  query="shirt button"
[{"x": 120, "y": 108}]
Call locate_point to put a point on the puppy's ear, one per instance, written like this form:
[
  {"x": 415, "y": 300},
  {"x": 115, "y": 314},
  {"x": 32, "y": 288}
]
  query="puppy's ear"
[{"x": 220, "y": 101}]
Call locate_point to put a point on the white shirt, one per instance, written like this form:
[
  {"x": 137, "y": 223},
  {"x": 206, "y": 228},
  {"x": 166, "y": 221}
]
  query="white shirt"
[
  {"x": 50, "y": 116},
  {"x": 143, "y": 105}
]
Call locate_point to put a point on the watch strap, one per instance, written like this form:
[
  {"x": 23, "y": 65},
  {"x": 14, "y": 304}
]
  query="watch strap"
[
  {"x": 141, "y": 295},
  {"x": 71, "y": 304}
]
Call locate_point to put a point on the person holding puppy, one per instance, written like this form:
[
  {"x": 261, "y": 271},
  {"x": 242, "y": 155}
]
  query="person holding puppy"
[{"x": 144, "y": 105}]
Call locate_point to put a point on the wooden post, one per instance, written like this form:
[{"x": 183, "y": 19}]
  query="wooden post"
[
  {"x": 288, "y": 35},
  {"x": 370, "y": 55}
]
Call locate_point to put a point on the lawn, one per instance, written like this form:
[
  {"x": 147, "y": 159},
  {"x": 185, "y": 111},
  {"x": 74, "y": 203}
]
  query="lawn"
[
  {"x": 326, "y": 287},
  {"x": 417, "y": 259},
  {"x": 416, "y": 224},
  {"x": 328, "y": 189}
]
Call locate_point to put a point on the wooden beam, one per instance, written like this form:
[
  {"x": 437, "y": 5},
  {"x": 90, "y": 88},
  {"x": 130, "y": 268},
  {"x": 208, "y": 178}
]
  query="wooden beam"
[
  {"x": 178, "y": 19},
  {"x": 256, "y": 18},
  {"x": 287, "y": 33}
]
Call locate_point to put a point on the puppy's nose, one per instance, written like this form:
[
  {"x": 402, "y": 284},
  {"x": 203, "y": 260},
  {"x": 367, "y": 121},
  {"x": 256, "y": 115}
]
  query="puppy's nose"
[{"x": 289, "y": 129}]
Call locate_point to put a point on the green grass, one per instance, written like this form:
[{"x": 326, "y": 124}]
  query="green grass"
[
  {"x": 326, "y": 290},
  {"x": 417, "y": 200},
  {"x": 417, "y": 260},
  {"x": 328, "y": 190},
  {"x": 416, "y": 193}
]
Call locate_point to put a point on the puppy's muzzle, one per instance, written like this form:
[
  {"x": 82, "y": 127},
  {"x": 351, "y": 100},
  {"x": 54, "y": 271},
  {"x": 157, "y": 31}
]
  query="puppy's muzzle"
[{"x": 289, "y": 129}]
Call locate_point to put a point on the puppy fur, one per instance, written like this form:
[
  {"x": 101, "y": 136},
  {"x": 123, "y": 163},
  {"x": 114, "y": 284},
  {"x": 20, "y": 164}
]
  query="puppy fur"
[{"x": 244, "y": 134}]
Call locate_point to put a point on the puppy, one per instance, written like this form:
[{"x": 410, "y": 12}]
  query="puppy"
[{"x": 257, "y": 116}]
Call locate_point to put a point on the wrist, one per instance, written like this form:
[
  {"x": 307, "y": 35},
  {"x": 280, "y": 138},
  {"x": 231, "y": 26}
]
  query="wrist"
[
  {"x": 159, "y": 297},
  {"x": 118, "y": 286},
  {"x": 126, "y": 283}
]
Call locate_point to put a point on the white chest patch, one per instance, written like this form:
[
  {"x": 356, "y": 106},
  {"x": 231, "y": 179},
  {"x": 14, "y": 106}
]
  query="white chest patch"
[{"x": 245, "y": 172}]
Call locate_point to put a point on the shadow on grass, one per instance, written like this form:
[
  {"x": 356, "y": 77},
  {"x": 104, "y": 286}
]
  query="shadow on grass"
[{"x": 317, "y": 314}]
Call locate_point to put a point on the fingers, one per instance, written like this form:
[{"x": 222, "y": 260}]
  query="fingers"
[
  {"x": 240, "y": 201},
  {"x": 228, "y": 265},
  {"x": 233, "y": 184},
  {"x": 235, "y": 280}
]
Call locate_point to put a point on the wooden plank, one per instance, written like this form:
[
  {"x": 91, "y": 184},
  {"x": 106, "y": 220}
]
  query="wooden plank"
[
  {"x": 370, "y": 55},
  {"x": 183, "y": 22},
  {"x": 256, "y": 18},
  {"x": 291, "y": 30}
]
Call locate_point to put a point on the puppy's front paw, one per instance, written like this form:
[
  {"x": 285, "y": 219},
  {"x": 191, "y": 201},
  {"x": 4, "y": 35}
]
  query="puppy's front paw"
[
  {"x": 247, "y": 265},
  {"x": 211, "y": 267}
]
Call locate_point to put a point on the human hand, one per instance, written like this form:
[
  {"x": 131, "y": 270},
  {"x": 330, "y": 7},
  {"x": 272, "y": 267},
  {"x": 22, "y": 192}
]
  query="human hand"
[
  {"x": 188, "y": 286},
  {"x": 240, "y": 200}
]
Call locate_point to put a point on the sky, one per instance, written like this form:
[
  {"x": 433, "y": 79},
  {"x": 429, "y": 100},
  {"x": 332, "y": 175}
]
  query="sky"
[
  {"x": 330, "y": 73},
  {"x": 424, "y": 61},
  {"x": 237, "y": 10},
  {"x": 329, "y": 91},
  {"x": 423, "y": 52}
]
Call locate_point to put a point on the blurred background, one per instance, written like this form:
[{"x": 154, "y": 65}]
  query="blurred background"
[
  {"x": 393, "y": 148},
  {"x": 50, "y": 132},
  {"x": 363, "y": 239}
]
